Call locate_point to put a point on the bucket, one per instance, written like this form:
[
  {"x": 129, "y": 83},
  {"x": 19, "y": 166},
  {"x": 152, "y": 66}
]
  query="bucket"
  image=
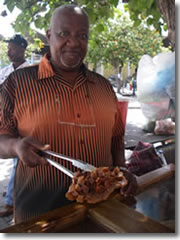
[{"x": 123, "y": 109}]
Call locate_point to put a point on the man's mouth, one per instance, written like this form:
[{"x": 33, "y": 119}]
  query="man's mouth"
[
  {"x": 71, "y": 58},
  {"x": 71, "y": 53}
]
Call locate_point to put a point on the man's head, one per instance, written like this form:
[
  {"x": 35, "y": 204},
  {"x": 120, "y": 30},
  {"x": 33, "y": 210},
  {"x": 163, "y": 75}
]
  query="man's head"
[
  {"x": 16, "y": 48},
  {"x": 68, "y": 37}
]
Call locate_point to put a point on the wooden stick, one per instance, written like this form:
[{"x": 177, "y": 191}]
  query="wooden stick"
[
  {"x": 155, "y": 176},
  {"x": 120, "y": 218}
]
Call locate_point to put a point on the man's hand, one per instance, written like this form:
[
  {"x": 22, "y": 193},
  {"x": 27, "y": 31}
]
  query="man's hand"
[
  {"x": 27, "y": 149},
  {"x": 131, "y": 188}
]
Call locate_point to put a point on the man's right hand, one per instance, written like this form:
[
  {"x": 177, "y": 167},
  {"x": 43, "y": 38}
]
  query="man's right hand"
[{"x": 27, "y": 149}]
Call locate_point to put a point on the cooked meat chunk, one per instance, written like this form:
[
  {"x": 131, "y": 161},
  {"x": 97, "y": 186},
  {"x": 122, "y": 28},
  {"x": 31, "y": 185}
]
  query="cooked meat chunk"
[{"x": 95, "y": 186}]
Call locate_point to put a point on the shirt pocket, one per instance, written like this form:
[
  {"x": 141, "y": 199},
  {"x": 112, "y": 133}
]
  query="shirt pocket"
[{"x": 76, "y": 109}]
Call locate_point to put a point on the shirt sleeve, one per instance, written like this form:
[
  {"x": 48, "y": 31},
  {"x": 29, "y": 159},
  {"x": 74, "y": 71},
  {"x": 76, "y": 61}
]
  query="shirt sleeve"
[
  {"x": 8, "y": 123},
  {"x": 119, "y": 126},
  {"x": 118, "y": 132}
]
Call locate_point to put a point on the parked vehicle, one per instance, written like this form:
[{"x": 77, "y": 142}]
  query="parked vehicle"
[{"x": 113, "y": 81}]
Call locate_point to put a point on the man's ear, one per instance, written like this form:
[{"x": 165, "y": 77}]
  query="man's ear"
[{"x": 48, "y": 35}]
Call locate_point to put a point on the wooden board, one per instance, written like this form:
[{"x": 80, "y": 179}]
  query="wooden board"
[
  {"x": 119, "y": 218},
  {"x": 155, "y": 176},
  {"x": 108, "y": 216},
  {"x": 53, "y": 221}
]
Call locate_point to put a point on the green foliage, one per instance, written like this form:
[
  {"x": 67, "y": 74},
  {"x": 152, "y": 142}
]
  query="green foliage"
[
  {"x": 32, "y": 48},
  {"x": 122, "y": 42},
  {"x": 146, "y": 11},
  {"x": 115, "y": 41},
  {"x": 3, "y": 54},
  {"x": 40, "y": 11}
]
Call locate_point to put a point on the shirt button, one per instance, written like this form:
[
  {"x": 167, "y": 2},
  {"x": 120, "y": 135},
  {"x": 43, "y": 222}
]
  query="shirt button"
[{"x": 78, "y": 115}]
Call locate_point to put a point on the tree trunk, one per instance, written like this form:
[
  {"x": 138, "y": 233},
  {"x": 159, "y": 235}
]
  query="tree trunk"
[
  {"x": 117, "y": 80},
  {"x": 167, "y": 9}
]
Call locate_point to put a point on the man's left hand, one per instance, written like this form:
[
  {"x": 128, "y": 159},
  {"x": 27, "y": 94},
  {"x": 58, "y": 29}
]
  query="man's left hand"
[{"x": 131, "y": 188}]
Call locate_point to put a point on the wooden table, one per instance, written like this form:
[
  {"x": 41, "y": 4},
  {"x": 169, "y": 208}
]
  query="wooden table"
[
  {"x": 134, "y": 134},
  {"x": 115, "y": 215}
]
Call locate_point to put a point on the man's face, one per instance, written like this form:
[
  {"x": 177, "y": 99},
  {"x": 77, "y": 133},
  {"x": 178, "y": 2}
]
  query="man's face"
[
  {"x": 68, "y": 40},
  {"x": 15, "y": 52}
]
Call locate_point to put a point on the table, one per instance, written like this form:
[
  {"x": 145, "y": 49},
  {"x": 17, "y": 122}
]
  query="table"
[
  {"x": 134, "y": 134},
  {"x": 115, "y": 215}
]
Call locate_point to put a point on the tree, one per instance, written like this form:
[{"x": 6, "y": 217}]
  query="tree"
[
  {"x": 40, "y": 11},
  {"x": 167, "y": 9},
  {"x": 3, "y": 54},
  {"x": 121, "y": 43},
  {"x": 159, "y": 13}
]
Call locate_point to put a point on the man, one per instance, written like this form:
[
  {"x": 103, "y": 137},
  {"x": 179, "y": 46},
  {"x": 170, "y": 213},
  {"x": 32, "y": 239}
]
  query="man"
[
  {"x": 134, "y": 82},
  {"x": 61, "y": 105},
  {"x": 16, "y": 54}
]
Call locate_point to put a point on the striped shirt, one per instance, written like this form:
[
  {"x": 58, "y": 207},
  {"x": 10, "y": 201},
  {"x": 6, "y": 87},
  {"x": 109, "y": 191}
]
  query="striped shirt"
[
  {"x": 4, "y": 72},
  {"x": 80, "y": 121}
]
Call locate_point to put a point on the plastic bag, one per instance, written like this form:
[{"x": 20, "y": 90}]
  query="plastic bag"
[
  {"x": 164, "y": 127},
  {"x": 156, "y": 85},
  {"x": 143, "y": 159}
]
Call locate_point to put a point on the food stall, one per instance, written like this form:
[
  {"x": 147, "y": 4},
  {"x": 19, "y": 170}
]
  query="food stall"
[
  {"x": 152, "y": 210},
  {"x": 115, "y": 215}
]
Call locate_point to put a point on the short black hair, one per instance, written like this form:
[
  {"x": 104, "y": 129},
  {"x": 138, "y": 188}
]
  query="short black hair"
[{"x": 18, "y": 40}]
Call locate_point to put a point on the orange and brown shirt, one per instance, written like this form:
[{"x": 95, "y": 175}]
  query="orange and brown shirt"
[{"x": 81, "y": 122}]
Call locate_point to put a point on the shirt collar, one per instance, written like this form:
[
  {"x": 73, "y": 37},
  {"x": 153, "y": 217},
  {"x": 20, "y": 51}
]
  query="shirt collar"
[
  {"x": 46, "y": 70},
  {"x": 24, "y": 64}
]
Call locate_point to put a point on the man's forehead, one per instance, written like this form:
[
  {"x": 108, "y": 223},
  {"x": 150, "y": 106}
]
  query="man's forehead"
[
  {"x": 66, "y": 14},
  {"x": 14, "y": 46},
  {"x": 76, "y": 10},
  {"x": 69, "y": 22},
  {"x": 69, "y": 10}
]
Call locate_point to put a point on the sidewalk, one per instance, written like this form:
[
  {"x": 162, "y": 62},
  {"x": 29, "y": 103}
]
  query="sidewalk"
[{"x": 5, "y": 172}]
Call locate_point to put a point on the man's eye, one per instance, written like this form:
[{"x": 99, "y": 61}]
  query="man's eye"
[
  {"x": 83, "y": 36},
  {"x": 63, "y": 34}
]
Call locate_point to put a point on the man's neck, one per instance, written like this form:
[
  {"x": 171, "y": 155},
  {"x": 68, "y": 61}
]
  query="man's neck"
[
  {"x": 70, "y": 76},
  {"x": 17, "y": 64}
]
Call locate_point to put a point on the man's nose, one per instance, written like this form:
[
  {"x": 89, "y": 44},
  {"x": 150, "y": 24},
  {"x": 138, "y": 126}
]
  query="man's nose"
[
  {"x": 9, "y": 52},
  {"x": 73, "y": 41}
]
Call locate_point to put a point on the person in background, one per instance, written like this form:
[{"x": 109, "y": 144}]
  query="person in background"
[
  {"x": 134, "y": 82},
  {"x": 16, "y": 54},
  {"x": 60, "y": 105}
]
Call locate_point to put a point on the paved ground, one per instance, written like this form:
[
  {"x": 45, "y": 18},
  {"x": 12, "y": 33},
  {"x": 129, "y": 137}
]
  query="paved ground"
[
  {"x": 5, "y": 171},
  {"x": 134, "y": 114}
]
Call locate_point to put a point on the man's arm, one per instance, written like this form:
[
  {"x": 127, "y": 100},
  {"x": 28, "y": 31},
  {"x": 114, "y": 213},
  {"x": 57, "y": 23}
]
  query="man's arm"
[
  {"x": 117, "y": 149},
  {"x": 119, "y": 160},
  {"x": 118, "y": 152},
  {"x": 11, "y": 145},
  {"x": 26, "y": 149},
  {"x": 117, "y": 141},
  {"x": 7, "y": 145}
]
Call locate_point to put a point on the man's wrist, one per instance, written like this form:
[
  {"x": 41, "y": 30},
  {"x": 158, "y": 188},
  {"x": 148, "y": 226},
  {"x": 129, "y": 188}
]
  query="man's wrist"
[
  {"x": 14, "y": 142},
  {"x": 123, "y": 169}
]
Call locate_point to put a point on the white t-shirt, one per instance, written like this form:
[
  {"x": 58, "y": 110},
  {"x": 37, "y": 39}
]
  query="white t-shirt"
[{"x": 4, "y": 73}]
